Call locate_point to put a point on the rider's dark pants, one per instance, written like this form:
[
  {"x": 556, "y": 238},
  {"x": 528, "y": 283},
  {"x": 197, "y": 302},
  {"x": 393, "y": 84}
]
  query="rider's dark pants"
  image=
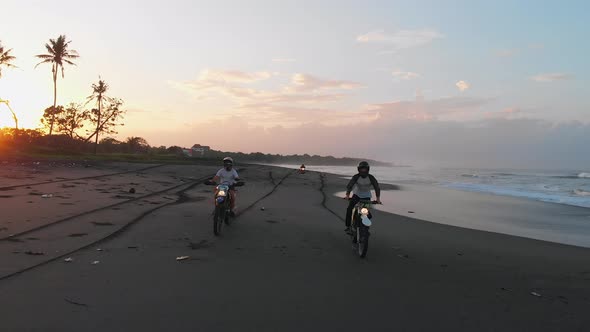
[{"x": 351, "y": 203}]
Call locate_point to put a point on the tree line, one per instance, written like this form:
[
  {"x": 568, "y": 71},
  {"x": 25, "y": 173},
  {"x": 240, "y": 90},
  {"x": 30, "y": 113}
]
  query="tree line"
[{"x": 294, "y": 159}]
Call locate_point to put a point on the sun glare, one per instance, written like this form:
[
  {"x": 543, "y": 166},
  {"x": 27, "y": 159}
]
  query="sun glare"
[{"x": 28, "y": 97}]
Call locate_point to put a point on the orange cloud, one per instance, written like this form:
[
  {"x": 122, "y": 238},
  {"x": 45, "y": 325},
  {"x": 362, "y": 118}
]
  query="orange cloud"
[
  {"x": 462, "y": 85},
  {"x": 309, "y": 82},
  {"x": 302, "y": 98},
  {"x": 232, "y": 76}
]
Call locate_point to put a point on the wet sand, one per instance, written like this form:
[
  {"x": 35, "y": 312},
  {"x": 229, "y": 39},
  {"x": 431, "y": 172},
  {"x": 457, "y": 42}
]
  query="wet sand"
[
  {"x": 507, "y": 215},
  {"x": 286, "y": 267}
]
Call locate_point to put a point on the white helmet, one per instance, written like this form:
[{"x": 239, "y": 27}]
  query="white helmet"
[{"x": 228, "y": 160}]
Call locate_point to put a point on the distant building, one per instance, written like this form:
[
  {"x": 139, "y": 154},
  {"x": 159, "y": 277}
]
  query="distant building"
[
  {"x": 187, "y": 152},
  {"x": 200, "y": 150},
  {"x": 196, "y": 151}
]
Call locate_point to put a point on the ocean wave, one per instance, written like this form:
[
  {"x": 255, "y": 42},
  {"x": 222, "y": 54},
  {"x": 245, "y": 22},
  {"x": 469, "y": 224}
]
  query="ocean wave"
[
  {"x": 581, "y": 192},
  {"x": 547, "y": 187},
  {"x": 578, "y": 200},
  {"x": 582, "y": 175},
  {"x": 506, "y": 174}
]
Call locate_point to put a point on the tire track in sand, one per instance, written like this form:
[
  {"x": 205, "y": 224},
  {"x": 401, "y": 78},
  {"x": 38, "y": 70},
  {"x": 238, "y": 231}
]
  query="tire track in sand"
[
  {"x": 81, "y": 178},
  {"x": 117, "y": 232}
]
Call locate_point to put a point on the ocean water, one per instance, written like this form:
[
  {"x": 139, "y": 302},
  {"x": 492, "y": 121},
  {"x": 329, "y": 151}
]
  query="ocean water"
[
  {"x": 544, "y": 205},
  {"x": 569, "y": 187}
]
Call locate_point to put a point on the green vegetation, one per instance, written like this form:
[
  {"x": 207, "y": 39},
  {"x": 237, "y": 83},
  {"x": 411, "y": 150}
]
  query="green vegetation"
[
  {"x": 28, "y": 143},
  {"x": 295, "y": 159}
]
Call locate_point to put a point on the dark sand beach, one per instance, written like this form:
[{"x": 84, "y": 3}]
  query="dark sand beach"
[{"x": 287, "y": 267}]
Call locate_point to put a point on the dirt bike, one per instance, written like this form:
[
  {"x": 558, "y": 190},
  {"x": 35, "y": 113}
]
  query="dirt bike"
[
  {"x": 360, "y": 225},
  {"x": 301, "y": 170},
  {"x": 222, "y": 213}
]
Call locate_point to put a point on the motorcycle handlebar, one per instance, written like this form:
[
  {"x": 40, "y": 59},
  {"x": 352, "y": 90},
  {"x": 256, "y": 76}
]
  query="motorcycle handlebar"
[
  {"x": 213, "y": 183},
  {"x": 372, "y": 202}
]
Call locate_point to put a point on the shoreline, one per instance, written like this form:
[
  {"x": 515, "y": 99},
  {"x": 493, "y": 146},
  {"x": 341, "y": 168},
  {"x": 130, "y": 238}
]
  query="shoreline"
[
  {"x": 414, "y": 217},
  {"x": 553, "y": 222},
  {"x": 422, "y": 176}
]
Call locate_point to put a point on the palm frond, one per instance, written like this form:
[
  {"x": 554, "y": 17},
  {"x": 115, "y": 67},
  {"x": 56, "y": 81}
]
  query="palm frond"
[
  {"x": 50, "y": 49},
  {"x": 8, "y": 65},
  {"x": 58, "y": 54},
  {"x": 5, "y": 53},
  {"x": 5, "y": 57},
  {"x": 44, "y": 61}
]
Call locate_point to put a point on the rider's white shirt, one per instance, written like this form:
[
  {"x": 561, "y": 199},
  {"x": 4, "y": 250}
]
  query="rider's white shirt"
[{"x": 227, "y": 177}]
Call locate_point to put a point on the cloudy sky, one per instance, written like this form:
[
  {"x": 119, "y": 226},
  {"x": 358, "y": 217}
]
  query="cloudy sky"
[{"x": 457, "y": 83}]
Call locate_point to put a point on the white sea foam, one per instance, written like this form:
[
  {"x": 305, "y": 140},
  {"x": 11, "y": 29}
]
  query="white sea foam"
[
  {"x": 581, "y": 192},
  {"x": 581, "y": 199}
]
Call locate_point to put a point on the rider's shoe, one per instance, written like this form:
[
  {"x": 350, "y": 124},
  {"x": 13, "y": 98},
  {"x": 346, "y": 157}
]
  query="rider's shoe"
[{"x": 348, "y": 231}]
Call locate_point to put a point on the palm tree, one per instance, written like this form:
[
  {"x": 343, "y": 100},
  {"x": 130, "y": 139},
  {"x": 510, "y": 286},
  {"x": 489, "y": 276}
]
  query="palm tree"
[
  {"x": 7, "y": 103},
  {"x": 5, "y": 58},
  {"x": 58, "y": 54},
  {"x": 99, "y": 94}
]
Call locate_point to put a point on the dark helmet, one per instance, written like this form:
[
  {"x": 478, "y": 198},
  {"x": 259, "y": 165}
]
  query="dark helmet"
[{"x": 363, "y": 165}]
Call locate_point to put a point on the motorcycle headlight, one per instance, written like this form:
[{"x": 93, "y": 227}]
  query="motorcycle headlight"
[
  {"x": 221, "y": 193},
  {"x": 364, "y": 211}
]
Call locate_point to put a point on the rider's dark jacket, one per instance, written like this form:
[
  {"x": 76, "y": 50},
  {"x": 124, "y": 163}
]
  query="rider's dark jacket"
[{"x": 363, "y": 186}]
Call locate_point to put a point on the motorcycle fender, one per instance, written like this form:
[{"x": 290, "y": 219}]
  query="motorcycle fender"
[{"x": 366, "y": 221}]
